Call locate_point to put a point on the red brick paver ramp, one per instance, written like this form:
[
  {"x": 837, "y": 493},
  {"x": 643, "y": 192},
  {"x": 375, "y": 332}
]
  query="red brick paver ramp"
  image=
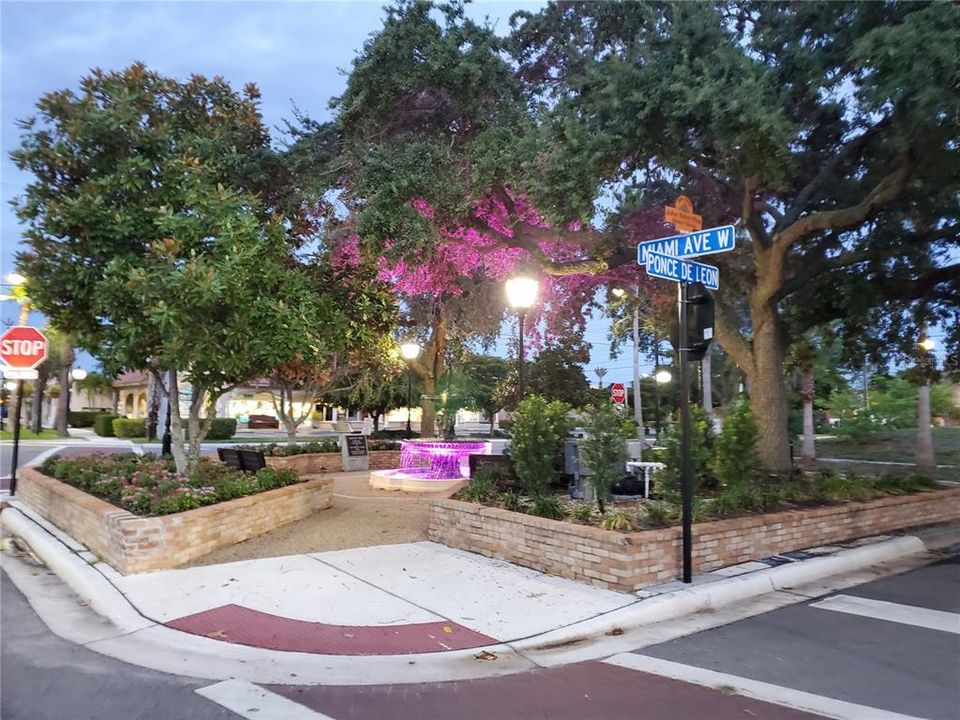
[{"x": 236, "y": 624}]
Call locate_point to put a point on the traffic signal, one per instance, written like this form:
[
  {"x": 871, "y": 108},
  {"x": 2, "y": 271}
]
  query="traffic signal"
[{"x": 699, "y": 323}]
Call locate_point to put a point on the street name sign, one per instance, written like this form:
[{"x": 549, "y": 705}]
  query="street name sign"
[
  {"x": 705, "y": 242},
  {"x": 12, "y": 374},
  {"x": 673, "y": 268},
  {"x": 682, "y": 216},
  {"x": 22, "y": 348}
]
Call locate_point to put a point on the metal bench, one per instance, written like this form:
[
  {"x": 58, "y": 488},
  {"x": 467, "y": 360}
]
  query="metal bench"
[{"x": 246, "y": 460}]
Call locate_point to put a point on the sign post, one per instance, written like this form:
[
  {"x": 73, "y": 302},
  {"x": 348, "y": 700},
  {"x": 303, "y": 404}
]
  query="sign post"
[
  {"x": 22, "y": 348},
  {"x": 663, "y": 258}
]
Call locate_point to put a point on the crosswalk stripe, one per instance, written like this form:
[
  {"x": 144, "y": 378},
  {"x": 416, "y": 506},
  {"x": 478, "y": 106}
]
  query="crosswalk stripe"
[
  {"x": 892, "y": 612},
  {"x": 777, "y": 694},
  {"x": 252, "y": 702}
]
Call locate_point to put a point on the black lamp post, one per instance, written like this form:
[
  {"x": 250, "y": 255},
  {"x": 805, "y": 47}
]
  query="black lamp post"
[
  {"x": 410, "y": 351},
  {"x": 521, "y": 294}
]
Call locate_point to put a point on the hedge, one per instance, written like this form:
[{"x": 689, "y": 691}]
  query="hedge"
[
  {"x": 222, "y": 429},
  {"x": 130, "y": 427},
  {"x": 103, "y": 424},
  {"x": 83, "y": 418}
]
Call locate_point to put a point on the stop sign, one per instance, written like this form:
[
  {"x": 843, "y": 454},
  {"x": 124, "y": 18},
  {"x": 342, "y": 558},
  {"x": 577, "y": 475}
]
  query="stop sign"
[
  {"x": 618, "y": 393},
  {"x": 22, "y": 347}
]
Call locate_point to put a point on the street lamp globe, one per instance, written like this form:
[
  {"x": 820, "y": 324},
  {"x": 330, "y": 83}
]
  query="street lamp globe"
[
  {"x": 410, "y": 350},
  {"x": 663, "y": 376},
  {"x": 16, "y": 278},
  {"x": 522, "y": 292},
  {"x": 928, "y": 344},
  {"x": 78, "y": 374},
  {"x": 618, "y": 292}
]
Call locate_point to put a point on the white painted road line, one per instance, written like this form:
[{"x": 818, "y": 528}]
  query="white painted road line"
[
  {"x": 819, "y": 704},
  {"x": 253, "y": 702},
  {"x": 892, "y": 612}
]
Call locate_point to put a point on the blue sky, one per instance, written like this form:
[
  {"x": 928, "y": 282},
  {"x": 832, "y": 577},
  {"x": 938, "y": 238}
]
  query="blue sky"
[{"x": 292, "y": 50}]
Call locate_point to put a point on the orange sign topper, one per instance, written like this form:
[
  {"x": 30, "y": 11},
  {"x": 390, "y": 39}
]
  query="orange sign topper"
[{"x": 682, "y": 217}]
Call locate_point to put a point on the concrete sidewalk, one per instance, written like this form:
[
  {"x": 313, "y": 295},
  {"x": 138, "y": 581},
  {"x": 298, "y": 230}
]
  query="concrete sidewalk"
[{"x": 409, "y": 612}]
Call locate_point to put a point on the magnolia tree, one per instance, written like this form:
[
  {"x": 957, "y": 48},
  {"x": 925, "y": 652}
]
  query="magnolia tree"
[{"x": 154, "y": 232}]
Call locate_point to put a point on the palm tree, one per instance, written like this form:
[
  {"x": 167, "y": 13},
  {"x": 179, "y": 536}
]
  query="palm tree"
[{"x": 600, "y": 373}]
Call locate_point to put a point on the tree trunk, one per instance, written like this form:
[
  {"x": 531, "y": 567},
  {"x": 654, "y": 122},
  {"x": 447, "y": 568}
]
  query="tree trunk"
[
  {"x": 153, "y": 405},
  {"x": 41, "y": 386},
  {"x": 809, "y": 453},
  {"x": 176, "y": 426},
  {"x": 428, "y": 409},
  {"x": 924, "y": 453},
  {"x": 768, "y": 391},
  {"x": 67, "y": 359}
]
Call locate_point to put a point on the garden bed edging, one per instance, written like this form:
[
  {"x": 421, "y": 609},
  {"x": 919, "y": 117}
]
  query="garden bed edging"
[
  {"x": 631, "y": 561},
  {"x": 132, "y": 544}
]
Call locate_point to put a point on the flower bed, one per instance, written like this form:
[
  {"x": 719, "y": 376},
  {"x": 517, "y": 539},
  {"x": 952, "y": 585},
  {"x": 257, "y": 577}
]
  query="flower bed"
[
  {"x": 148, "y": 485},
  {"x": 136, "y": 544},
  {"x": 628, "y": 561}
]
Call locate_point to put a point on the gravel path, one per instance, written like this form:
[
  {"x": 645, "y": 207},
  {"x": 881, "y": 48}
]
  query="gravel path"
[{"x": 360, "y": 516}]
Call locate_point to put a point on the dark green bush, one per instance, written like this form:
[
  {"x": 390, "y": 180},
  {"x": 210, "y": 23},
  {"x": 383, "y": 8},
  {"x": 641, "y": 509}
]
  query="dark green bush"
[
  {"x": 736, "y": 447},
  {"x": 382, "y": 444},
  {"x": 604, "y": 450},
  {"x": 701, "y": 454},
  {"x": 130, "y": 427},
  {"x": 103, "y": 424},
  {"x": 547, "y": 506},
  {"x": 539, "y": 429},
  {"x": 222, "y": 429},
  {"x": 482, "y": 487},
  {"x": 83, "y": 418},
  {"x": 280, "y": 450},
  {"x": 396, "y": 435}
]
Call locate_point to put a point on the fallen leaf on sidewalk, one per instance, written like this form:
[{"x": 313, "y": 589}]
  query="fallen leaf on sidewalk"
[
  {"x": 484, "y": 655},
  {"x": 616, "y": 631},
  {"x": 447, "y": 629},
  {"x": 217, "y": 635}
]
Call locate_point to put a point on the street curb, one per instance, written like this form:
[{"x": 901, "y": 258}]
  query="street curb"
[
  {"x": 144, "y": 642},
  {"x": 92, "y": 587},
  {"x": 712, "y": 596}
]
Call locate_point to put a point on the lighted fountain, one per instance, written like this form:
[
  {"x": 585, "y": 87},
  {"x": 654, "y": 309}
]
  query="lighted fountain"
[{"x": 430, "y": 465}]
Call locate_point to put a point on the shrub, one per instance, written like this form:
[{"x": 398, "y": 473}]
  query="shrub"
[
  {"x": 382, "y": 444},
  {"x": 482, "y": 487},
  {"x": 82, "y": 418},
  {"x": 546, "y": 506},
  {"x": 736, "y": 447},
  {"x": 539, "y": 428},
  {"x": 618, "y": 520},
  {"x": 701, "y": 453},
  {"x": 603, "y": 450},
  {"x": 278, "y": 450},
  {"x": 658, "y": 514},
  {"x": 103, "y": 424},
  {"x": 222, "y": 429},
  {"x": 147, "y": 485},
  {"x": 582, "y": 512},
  {"x": 510, "y": 501},
  {"x": 130, "y": 427}
]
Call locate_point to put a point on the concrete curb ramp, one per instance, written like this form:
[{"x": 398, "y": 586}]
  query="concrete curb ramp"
[{"x": 134, "y": 638}]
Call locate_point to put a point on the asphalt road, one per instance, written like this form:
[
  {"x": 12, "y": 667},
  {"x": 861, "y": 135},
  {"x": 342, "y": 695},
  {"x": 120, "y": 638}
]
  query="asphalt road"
[
  {"x": 838, "y": 648},
  {"x": 47, "y": 678}
]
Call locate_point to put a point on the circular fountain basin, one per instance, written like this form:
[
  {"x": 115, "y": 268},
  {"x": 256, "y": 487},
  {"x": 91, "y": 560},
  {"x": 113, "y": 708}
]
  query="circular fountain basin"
[{"x": 430, "y": 465}]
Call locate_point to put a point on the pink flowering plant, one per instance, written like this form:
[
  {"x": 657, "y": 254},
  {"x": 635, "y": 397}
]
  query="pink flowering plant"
[{"x": 149, "y": 485}]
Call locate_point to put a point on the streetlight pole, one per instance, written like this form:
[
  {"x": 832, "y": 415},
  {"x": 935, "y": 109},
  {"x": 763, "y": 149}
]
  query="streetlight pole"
[
  {"x": 521, "y": 294},
  {"x": 410, "y": 351}
]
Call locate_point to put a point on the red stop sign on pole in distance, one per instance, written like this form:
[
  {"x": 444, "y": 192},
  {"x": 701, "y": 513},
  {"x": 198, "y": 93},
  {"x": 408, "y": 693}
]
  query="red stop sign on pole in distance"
[
  {"x": 618, "y": 393},
  {"x": 22, "y": 347}
]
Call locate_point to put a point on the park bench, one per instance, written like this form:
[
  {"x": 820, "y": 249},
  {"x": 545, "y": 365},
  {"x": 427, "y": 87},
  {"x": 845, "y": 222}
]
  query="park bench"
[
  {"x": 246, "y": 460},
  {"x": 256, "y": 422}
]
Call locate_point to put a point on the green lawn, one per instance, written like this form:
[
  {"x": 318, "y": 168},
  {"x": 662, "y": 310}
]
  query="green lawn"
[
  {"x": 30, "y": 435},
  {"x": 893, "y": 446}
]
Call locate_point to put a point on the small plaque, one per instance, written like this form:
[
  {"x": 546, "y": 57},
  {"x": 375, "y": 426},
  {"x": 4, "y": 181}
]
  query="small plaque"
[{"x": 353, "y": 452}]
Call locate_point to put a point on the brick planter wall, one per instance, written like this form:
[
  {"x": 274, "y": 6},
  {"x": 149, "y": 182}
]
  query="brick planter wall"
[
  {"x": 313, "y": 463},
  {"x": 630, "y": 561},
  {"x": 136, "y": 544}
]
